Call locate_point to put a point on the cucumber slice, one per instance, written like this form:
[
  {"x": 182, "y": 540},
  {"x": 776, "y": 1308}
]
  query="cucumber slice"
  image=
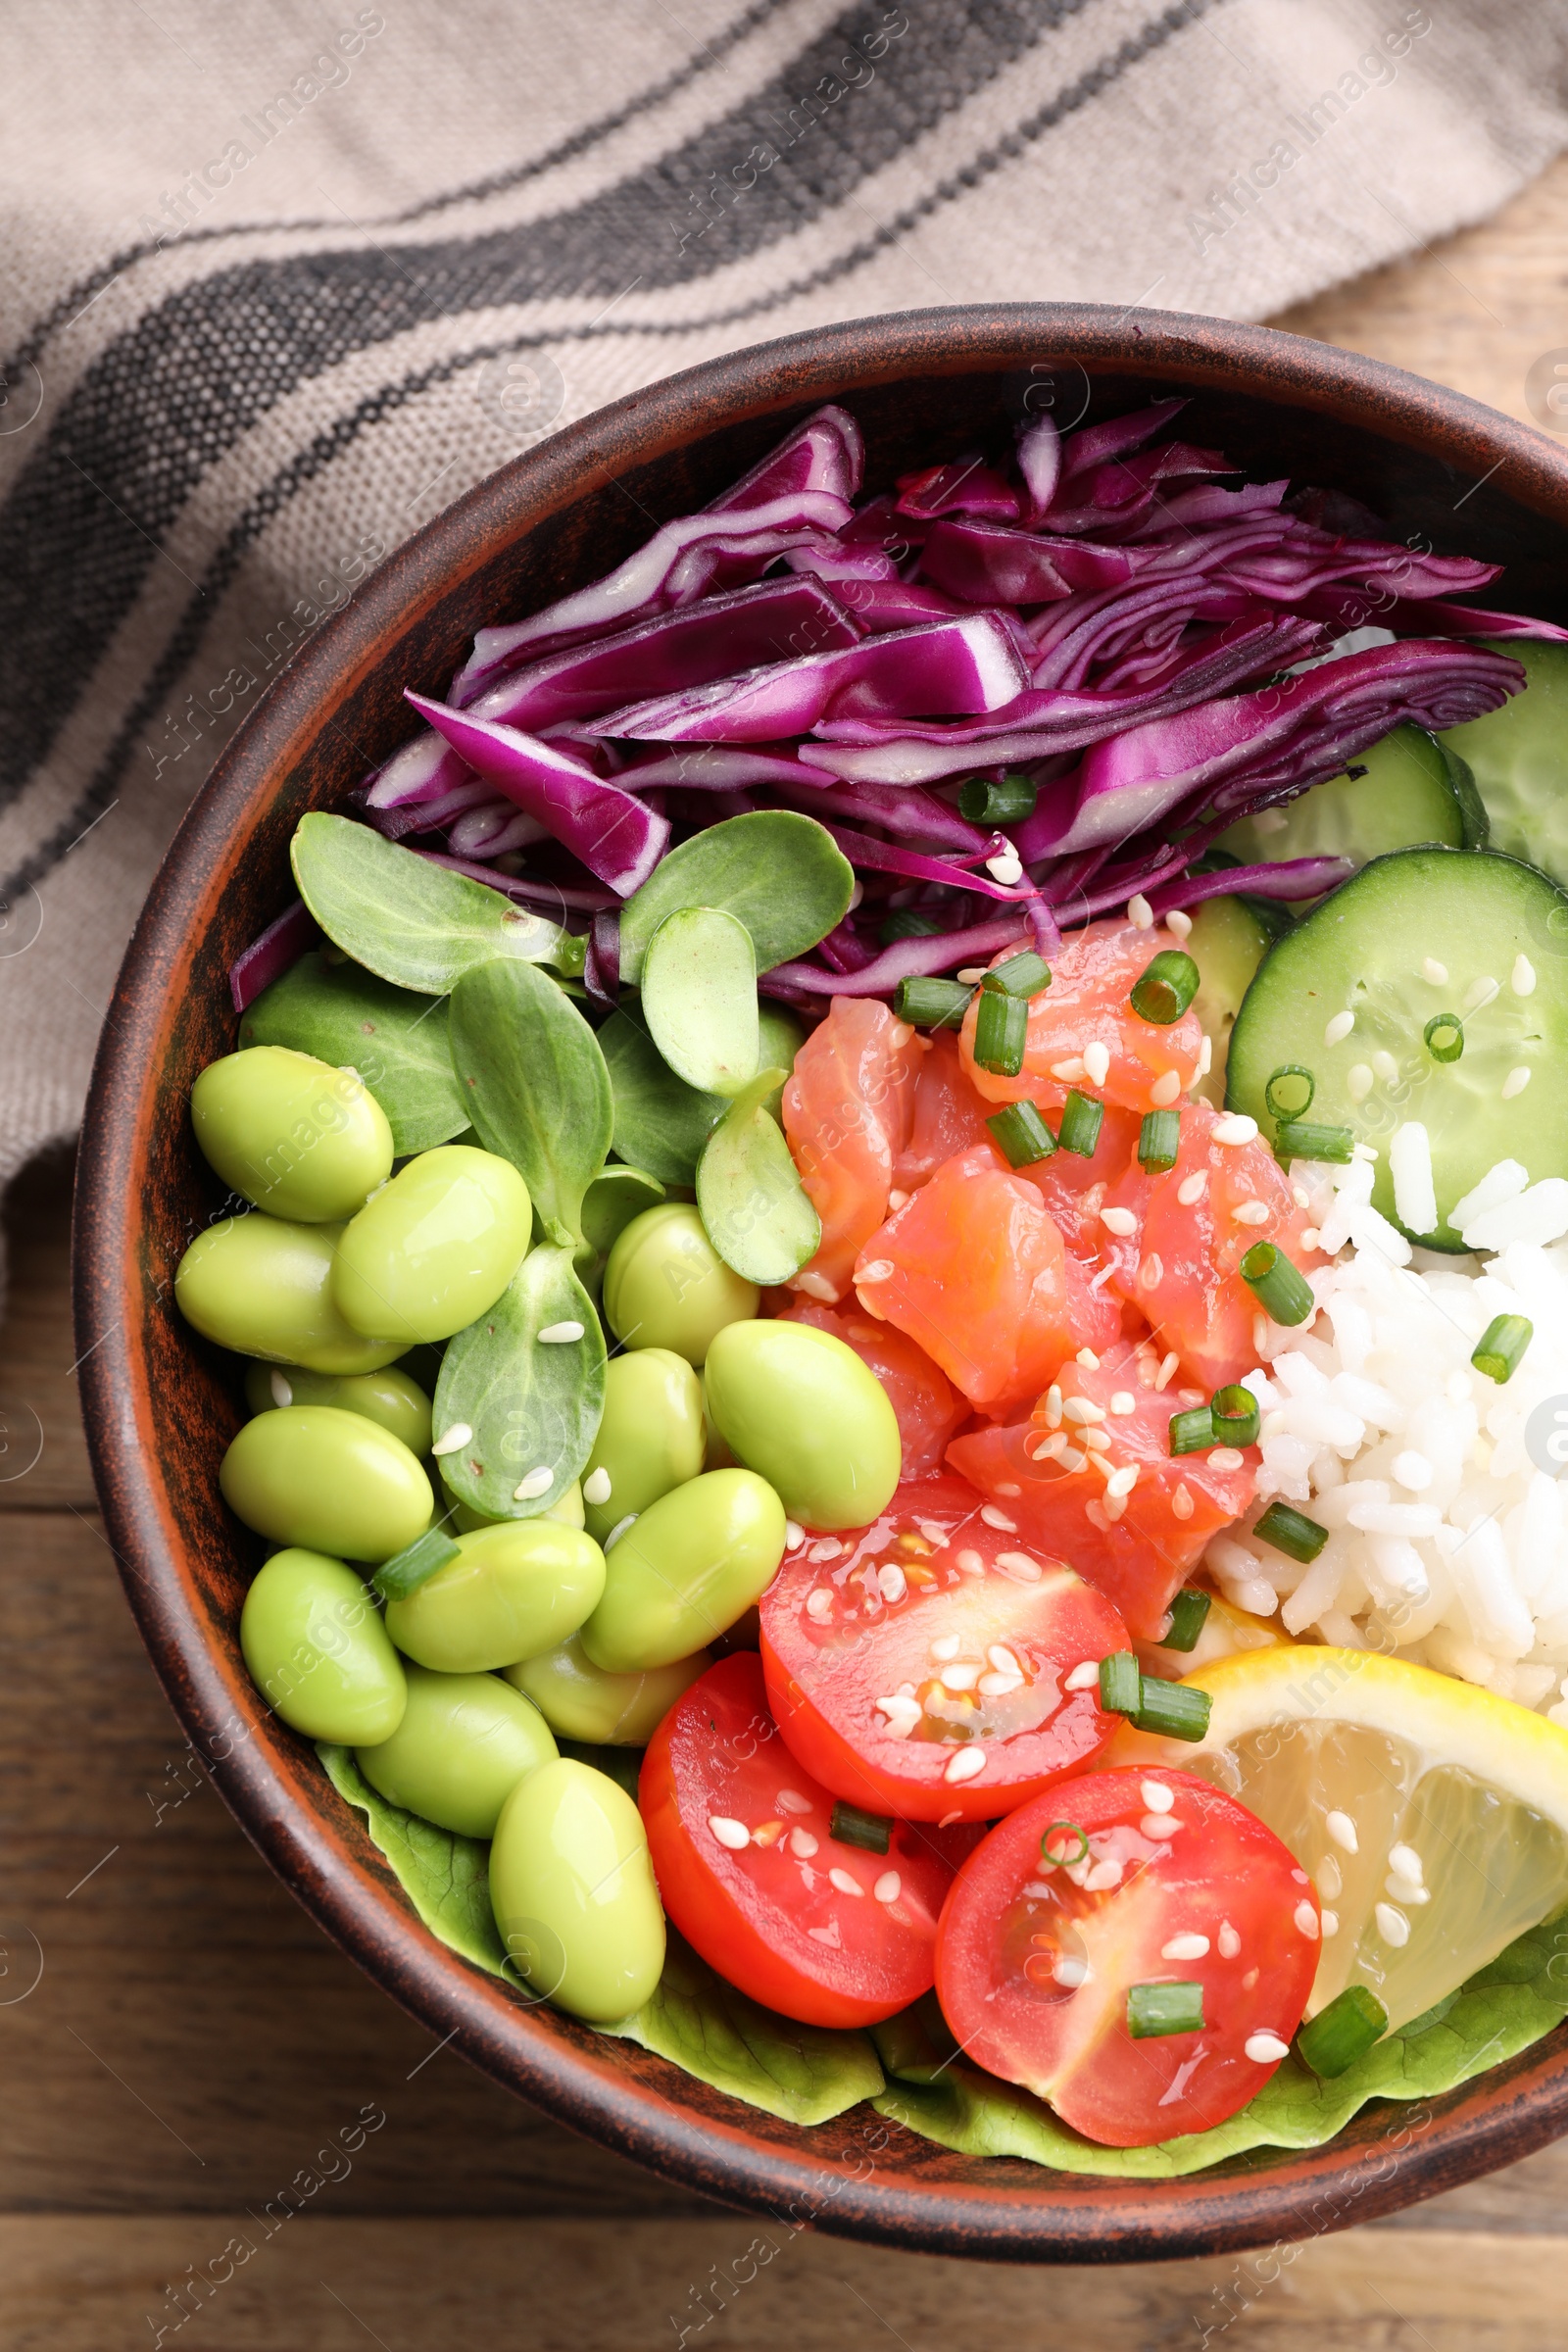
[
  {"x": 1363, "y": 949},
  {"x": 1405, "y": 789},
  {"x": 1228, "y": 943},
  {"x": 1519, "y": 757}
]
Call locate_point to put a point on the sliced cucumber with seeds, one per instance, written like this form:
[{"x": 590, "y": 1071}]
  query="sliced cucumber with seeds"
[
  {"x": 1415, "y": 935},
  {"x": 1228, "y": 943},
  {"x": 1405, "y": 789},
  {"x": 1519, "y": 757}
]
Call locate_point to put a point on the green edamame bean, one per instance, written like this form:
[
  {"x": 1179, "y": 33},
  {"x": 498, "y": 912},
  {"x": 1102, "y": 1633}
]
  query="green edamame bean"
[
  {"x": 799, "y": 1407},
  {"x": 319, "y": 1652},
  {"x": 435, "y": 1248},
  {"x": 567, "y": 1510},
  {"x": 579, "y": 1701},
  {"x": 515, "y": 1590},
  {"x": 290, "y": 1133},
  {"x": 572, "y": 1890},
  {"x": 649, "y": 1438},
  {"x": 389, "y": 1398},
  {"x": 331, "y": 1480},
  {"x": 666, "y": 1286},
  {"x": 463, "y": 1745},
  {"x": 263, "y": 1287},
  {"x": 685, "y": 1571}
]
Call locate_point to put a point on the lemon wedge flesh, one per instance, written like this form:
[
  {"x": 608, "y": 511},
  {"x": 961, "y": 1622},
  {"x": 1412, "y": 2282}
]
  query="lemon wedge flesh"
[{"x": 1431, "y": 1815}]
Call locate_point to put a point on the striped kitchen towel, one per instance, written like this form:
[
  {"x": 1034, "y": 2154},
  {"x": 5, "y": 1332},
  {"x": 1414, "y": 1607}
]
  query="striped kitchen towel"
[{"x": 283, "y": 281}]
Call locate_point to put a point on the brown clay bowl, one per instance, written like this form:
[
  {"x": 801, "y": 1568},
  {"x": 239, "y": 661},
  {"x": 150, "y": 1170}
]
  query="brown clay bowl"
[{"x": 160, "y": 1404}]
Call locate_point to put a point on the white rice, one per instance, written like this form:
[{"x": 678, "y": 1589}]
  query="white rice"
[{"x": 1448, "y": 1546}]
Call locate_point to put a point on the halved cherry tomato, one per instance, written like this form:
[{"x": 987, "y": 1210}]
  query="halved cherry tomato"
[
  {"x": 949, "y": 1115},
  {"x": 927, "y": 1406},
  {"x": 1137, "y": 1548},
  {"x": 846, "y": 1110},
  {"x": 934, "y": 1667},
  {"x": 1177, "y": 1883},
  {"x": 749, "y": 1869},
  {"x": 1089, "y": 1003},
  {"x": 1181, "y": 1267}
]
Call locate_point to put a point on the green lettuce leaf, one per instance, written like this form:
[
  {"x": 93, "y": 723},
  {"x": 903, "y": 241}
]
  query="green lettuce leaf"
[
  {"x": 445, "y": 1876},
  {"x": 1502, "y": 2010}
]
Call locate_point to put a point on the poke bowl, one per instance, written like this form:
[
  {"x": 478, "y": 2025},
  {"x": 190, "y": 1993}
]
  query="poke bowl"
[{"x": 992, "y": 907}]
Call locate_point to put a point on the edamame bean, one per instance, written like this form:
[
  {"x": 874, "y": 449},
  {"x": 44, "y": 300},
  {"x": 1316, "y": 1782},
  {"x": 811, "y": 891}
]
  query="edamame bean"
[
  {"x": 579, "y": 1701},
  {"x": 463, "y": 1745},
  {"x": 331, "y": 1480},
  {"x": 683, "y": 1571},
  {"x": 435, "y": 1248},
  {"x": 799, "y": 1407},
  {"x": 649, "y": 1438},
  {"x": 290, "y": 1133},
  {"x": 319, "y": 1652},
  {"x": 567, "y": 1510},
  {"x": 515, "y": 1590},
  {"x": 389, "y": 1398},
  {"x": 263, "y": 1287},
  {"x": 572, "y": 1890},
  {"x": 666, "y": 1286}
]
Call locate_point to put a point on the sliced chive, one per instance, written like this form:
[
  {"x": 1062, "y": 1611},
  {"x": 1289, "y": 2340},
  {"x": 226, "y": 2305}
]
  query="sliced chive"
[
  {"x": 1078, "y": 1128},
  {"x": 1278, "y": 1284},
  {"x": 1290, "y": 1532},
  {"x": 1354, "y": 2020},
  {"x": 1175, "y": 1711},
  {"x": 904, "y": 923},
  {"x": 1235, "y": 1415},
  {"x": 1501, "y": 1344},
  {"x": 933, "y": 1004},
  {"x": 851, "y": 1827},
  {"x": 989, "y": 801},
  {"x": 1052, "y": 1840},
  {"x": 1193, "y": 1432},
  {"x": 1279, "y": 1111},
  {"x": 1022, "y": 975},
  {"x": 1444, "y": 1037},
  {"x": 1189, "y": 1614},
  {"x": 1165, "y": 988},
  {"x": 1160, "y": 1140},
  {"x": 1001, "y": 1033},
  {"x": 1299, "y": 1139},
  {"x": 1023, "y": 1136},
  {"x": 413, "y": 1567},
  {"x": 1164, "y": 2009},
  {"x": 1119, "y": 1681}
]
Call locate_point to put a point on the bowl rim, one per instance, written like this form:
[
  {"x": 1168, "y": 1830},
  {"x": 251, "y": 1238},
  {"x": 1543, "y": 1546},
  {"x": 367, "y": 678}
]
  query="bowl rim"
[{"x": 611, "y": 2090}]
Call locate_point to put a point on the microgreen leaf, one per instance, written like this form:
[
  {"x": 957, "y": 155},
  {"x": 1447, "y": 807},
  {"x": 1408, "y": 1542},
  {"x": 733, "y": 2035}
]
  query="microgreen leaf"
[
  {"x": 394, "y": 1039},
  {"x": 534, "y": 1079},
  {"x": 530, "y": 1406},
  {"x": 661, "y": 1123},
  {"x": 700, "y": 999},
  {"x": 750, "y": 1197},
  {"x": 782, "y": 875}
]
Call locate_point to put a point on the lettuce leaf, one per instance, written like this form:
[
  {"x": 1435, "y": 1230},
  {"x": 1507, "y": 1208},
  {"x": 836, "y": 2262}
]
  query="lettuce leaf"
[
  {"x": 1502, "y": 2010},
  {"x": 445, "y": 1876}
]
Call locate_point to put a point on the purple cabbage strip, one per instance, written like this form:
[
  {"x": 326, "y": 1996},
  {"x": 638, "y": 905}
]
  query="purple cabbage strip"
[
  {"x": 825, "y": 453},
  {"x": 844, "y": 949},
  {"x": 611, "y": 832},
  {"x": 267, "y": 958},
  {"x": 986, "y": 565},
  {"x": 1346, "y": 609},
  {"x": 895, "y": 603},
  {"x": 905, "y": 809},
  {"x": 721, "y": 767},
  {"x": 862, "y": 849},
  {"x": 430, "y": 816},
  {"x": 490, "y": 832},
  {"x": 1206, "y": 504},
  {"x": 905, "y": 960},
  {"x": 424, "y": 768},
  {"x": 969, "y": 486},
  {"x": 1291, "y": 878},
  {"x": 1106, "y": 624},
  {"x": 1092, "y": 443},
  {"x": 557, "y": 899},
  {"x": 1039, "y": 455},
  {"x": 1307, "y": 558}
]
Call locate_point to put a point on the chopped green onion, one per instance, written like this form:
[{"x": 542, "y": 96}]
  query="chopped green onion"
[
  {"x": 1189, "y": 1614},
  {"x": 1333, "y": 2040},
  {"x": 1165, "y": 988},
  {"x": 1278, "y": 1284},
  {"x": 933, "y": 1004},
  {"x": 1078, "y": 1128},
  {"x": 986, "y": 801},
  {"x": 1119, "y": 1682},
  {"x": 1193, "y": 1432},
  {"x": 1022, "y": 1135},
  {"x": 1022, "y": 975},
  {"x": 1277, "y": 1109},
  {"x": 1290, "y": 1532},
  {"x": 1001, "y": 1033},
  {"x": 1175, "y": 1711},
  {"x": 410, "y": 1569},
  {"x": 1297, "y": 1139},
  {"x": 904, "y": 923},
  {"x": 1501, "y": 1344},
  {"x": 1172, "y": 2008},
  {"x": 1444, "y": 1037},
  {"x": 1064, "y": 1860},
  {"x": 1160, "y": 1140},
  {"x": 851, "y": 1827},
  {"x": 1235, "y": 1414}
]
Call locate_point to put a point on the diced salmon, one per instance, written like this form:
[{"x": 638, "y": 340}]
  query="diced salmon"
[
  {"x": 847, "y": 1109},
  {"x": 949, "y": 1115},
  {"x": 1088, "y": 1006}
]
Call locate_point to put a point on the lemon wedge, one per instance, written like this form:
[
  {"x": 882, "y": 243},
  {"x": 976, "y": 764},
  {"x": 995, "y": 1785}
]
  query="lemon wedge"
[{"x": 1431, "y": 1816}]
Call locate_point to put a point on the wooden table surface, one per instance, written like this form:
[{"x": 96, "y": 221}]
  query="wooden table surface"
[{"x": 179, "y": 2039}]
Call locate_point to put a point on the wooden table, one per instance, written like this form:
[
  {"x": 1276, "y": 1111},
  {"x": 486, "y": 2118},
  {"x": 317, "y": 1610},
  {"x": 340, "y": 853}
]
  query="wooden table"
[{"x": 193, "y": 2040}]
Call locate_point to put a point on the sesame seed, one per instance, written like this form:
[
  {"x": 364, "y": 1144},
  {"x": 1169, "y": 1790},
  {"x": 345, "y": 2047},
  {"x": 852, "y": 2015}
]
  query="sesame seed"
[
  {"x": 1119, "y": 1221},
  {"x": 1085, "y": 1676},
  {"x": 816, "y": 1286},
  {"x": 1151, "y": 1273},
  {"x": 1083, "y": 1410},
  {"x": 1393, "y": 1926},
  {"x": 1251, "y": 1212},
  {"x": 537, "y": 1482},
  {"x": 1003, "y": 1659},
  {"x": 1205, "y": 1056},
  {"x": 1311, "y": 1239},
  {"x": 1072, "y": 1068},
  {"x": 1358, "y": 1081},
  {"x": 1341, "y": 1829},
  {"x": 997, "y": 1685},
  {"x": 1521, "y": 979},
  {"x": 617, "y": 1530},
  {"x": 454, "y": 1439},
  {"x": 1070, "y": 1972},
  {"x": 1515, "y": 1082},
  {"x": 1181, "y": 1502},
  {"x": 1330, "y": 1922},
  {"x": 1436, "y": 973},
  {"x": 1235, "y": 1128},
  {"x": 1407, "y": 1862},
  {"x": 972, "y": 973},
  {"x": 1406, "y": 1890},
  {"x": 802, "y": 1845},
  {"x": 888, "y": 1887},
  {"x": 961, "y": 1674},
  {"x": 596, "y": 1486},
  {"x": 1103, "y": 1876},
  {"x": 1385, "y": 1065},
  {"x": 1225, "y": 1457},
  {"x": 1338, "y": 1028},
  {"x": 969, "y": 1563},
  {"x": 899, "y": 1035},
  {"x": 828, "y": 1547},
  {"x": 897, "y": 1200},
  {"x": 1073, "y": 1460},
  {"x": 1157, "y": 1798},
  {"x": 1266, "y": 2049},
  {"x": 1193, "y": 1187},
  {"x": 559, "y": 1335},
  {"x": 1121, "y": 1483},
  {"x": 881, "y": 1269},
  {"x": 1020, "y": 1567},
  {"x": 845, "y": 1881},
  {"x": 790, "y": 1800},
  {"x": 1227, "y": 1941},
  {"x": 1306, "y": 1917},
  {"x": 1481, "y": 993},
  {"x": 1006, "y": 866},
  {"x": 283, "y": 1395},
  {"x": 794, "y": 1536},
  {"x": 1184, "y": 1948},
  {"x": 998, "y": 1519},
  {"x": 945, "y": 1647},
  {"x": 1168, "y": 1366},
  {"x": 966, "y": 1765},
  {"x": 733, "y": 1834},
  {"x": 1097, "y": 1514},
  {"x": 1330, "y": 1881},
  {"x": 1165, "y": 1089},
  {"x": 1097, "y": 1063},
  {"x": 819, "y": 1604},
  {"x": 1140, "y": 913},
  {"x": 1089, "y": 1360},
  {"x": 1179, "y": 923},
  {"x": 1159, "y": 1825},
  {"x": 891, "y": 1580}
]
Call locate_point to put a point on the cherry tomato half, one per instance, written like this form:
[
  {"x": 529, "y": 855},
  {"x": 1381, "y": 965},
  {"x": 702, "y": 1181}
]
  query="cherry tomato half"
[
  {"x": 749, "y": 1869},
  {"x": 935, "y": 1666},
  {"x": 1165, "y": 1884}
]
